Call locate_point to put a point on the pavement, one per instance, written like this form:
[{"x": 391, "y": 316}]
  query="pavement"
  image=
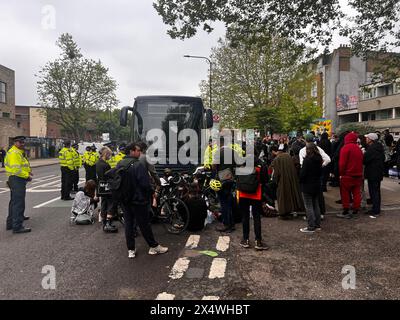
[{"x": 39, "y": 163}]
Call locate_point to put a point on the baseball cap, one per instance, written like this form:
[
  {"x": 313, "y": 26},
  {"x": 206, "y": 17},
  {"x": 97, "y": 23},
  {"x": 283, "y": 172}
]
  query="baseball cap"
[{"x": 372, "y": 136}]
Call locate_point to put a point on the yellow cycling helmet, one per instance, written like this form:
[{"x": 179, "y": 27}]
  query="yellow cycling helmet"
[{"x": 215, "y": 184}]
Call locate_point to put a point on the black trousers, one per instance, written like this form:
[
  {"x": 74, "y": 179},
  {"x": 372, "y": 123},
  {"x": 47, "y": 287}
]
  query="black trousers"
[
  {"x": 16, "y": 207},
  {"x": 374, "y": 189},
  {"x": 244, "y": 205},
  {"x": 75, "y": 180},
  {"x": 66, "y": 182},
  {"x": 90, "y": 173},
  {"x": 140, "y": 214}
]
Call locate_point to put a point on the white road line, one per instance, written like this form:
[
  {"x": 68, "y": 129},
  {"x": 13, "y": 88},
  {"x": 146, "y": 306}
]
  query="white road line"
[
  {"x": 218, "y": 268},
  {"x": 210, "y": 298},
  {"x": 165, "y": 296},
  {"x": 193, "y": 241},
  {"x": 179, "y": 268},
  {"x": 37, "y": 181},
  {"x": 52, "y": 183},
  {"x": 223, "y": 243},
  {"x": 2, "y": 190},
  {"x": 47, "y": 202}
]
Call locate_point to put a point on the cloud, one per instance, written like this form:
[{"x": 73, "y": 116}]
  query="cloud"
[{"x": 127, "y": 36}]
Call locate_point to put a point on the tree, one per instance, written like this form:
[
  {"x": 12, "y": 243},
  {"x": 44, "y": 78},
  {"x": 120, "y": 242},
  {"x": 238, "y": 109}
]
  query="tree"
[
  {"x": 108, "y": 122},
  {"x": 261, "y": 85},
  {"x": 369, "y": 24},
  {"x": 72, "y": 87}
]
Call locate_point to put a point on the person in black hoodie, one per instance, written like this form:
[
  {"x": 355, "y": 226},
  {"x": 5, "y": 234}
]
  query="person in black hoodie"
[
  {"x": 374, "y": 162},
  {"x": 136, "y": 202},
  {"x": 310, "y": 184}
]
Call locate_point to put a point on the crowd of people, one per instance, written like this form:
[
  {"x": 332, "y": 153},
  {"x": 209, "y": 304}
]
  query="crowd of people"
[{"x": 288, "y": 177}]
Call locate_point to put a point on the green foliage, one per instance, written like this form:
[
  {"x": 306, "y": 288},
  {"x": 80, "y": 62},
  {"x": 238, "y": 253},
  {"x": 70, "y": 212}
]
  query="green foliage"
[
  {"x": 71, "y": 88},
  {"x": 108, "y": 122},
  {"x": 261, "y": 85},
  {"x": 369, "y": 24},
  {"x": 356, "y": 127}
]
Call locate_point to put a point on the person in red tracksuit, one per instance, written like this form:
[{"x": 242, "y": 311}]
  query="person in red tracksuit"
[{"x": 351, "y": 175}]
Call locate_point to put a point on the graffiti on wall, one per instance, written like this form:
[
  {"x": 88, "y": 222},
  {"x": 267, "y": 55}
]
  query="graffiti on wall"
[
  {"x": 321, "y": 126},
  {"x": 346, "y": 102}
]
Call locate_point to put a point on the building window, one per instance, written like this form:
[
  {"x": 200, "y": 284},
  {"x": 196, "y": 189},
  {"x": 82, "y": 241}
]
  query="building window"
[
  {"x": 396, "y": 87},
  {"x": 397, "y": 113},
  {"x": 6, "y": 115},
  {"x": 384, "y": 114},
  {"x": 385, "y": 90},
  {"x": 19, "y": 124},
  {"x": 2, "y": 92},
  {"x": 368, "y": 116},
  {"x": 369, "y": 93}
]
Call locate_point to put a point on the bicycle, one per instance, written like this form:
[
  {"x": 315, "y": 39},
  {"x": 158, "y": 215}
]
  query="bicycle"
[{"x": 171, "y": 211}]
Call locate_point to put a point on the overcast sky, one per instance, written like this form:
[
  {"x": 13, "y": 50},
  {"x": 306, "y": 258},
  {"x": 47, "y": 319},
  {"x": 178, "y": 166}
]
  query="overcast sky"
[{"x": 126, "y": 35}]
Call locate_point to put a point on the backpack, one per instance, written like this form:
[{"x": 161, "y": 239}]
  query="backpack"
[
  {"x": 247, "y": 183},
  {"x": 117, "y": 179},
  {"x": 83, "y": 219}
]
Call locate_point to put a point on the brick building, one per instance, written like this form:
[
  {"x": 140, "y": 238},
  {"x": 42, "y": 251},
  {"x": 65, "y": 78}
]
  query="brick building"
[{"x": 9, "y": 126}]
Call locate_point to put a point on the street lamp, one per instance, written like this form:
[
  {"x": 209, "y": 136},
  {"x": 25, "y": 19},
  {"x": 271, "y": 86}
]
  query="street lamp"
[{"x": 209, "y": 61}]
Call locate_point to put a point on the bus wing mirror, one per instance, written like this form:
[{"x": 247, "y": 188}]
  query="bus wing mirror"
[
  {"x": 140, "y": 121},
  {"x": 123, "y": 116},
  {"x": 209, "y": 118}
]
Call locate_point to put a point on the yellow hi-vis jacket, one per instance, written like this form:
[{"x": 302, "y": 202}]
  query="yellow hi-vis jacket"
[
  {"x": 112, "y": 162},
  {"x": 117, "y": 158},
  {"x": 90, "y": 158},
  {"x": 210, "y": 152},
  {"x": 209, "y": 155},
  {"x": 77, "y": 159},
  {"x": 66, "y": 158},
  {"x": 16, "y": 163}
]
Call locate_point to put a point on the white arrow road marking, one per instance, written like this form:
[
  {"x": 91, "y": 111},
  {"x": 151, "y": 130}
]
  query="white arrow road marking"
[
  {"x": 218, "y": 268},
  {"x": 3, "y": 190},
  {"x": 210, "y": 298},
  {"x": 223, "y": 243},
  {"x": 179, "y": 268},
  {"x": 193, "y": 241},
  {"x": 47, "y": 202},
  {"x": 165, "y": 296}
]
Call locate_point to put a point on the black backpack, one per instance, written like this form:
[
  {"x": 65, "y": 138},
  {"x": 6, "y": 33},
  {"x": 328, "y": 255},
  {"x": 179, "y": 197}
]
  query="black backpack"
[
  {"x": 247, "y": 183},
  {"x": 118, "y": 181}
]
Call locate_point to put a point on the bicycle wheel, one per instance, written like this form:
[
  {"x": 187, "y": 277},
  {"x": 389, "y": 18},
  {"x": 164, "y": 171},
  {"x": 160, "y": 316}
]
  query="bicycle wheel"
[{"x": 175, "y": 215}]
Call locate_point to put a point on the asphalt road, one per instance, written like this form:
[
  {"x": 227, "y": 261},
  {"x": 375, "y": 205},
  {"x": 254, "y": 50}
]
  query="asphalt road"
[{"x": 88, "y": 263}]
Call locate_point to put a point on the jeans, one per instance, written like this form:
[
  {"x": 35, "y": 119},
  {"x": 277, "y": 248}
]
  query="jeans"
[
  {"x": 374, "y": 188},
  {"x": 312, "y": 210},
  {"x": 244, "y": 205},
  {"x": 226, "y": 200},
  {"x": 16, "y": 207},
  {"x": 140, "y": 214}
]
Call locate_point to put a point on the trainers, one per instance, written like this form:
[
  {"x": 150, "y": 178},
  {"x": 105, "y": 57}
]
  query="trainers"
[
  {"x": 158, "y": 250},
  {"x": 131, "y": 254},
  {"x": 245, "y": 243},
  {"x": 260, "y": 245},
  {"x": 374, "y": 216},
  {"x": 345, "y": 215},
  {"x": 108, "y": 227},
  {"x": 322, "y": 216},
  {"x": 307, "y": 230}
]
